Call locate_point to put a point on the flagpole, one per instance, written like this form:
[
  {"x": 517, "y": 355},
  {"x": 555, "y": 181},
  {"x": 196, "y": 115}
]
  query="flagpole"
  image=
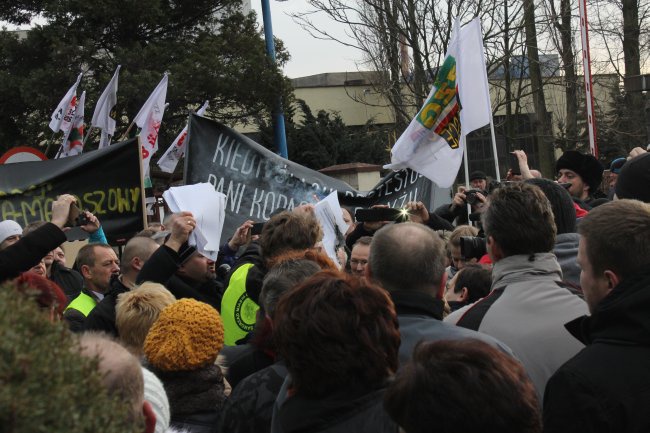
[
  {"x": 49, "y": 144},
  {"x": 466, "y": 165},
  {"x": 487, "y": 98},
  {"x": 126, "y": 134},
  {"x": 494, "y": 149},
  {"x": 90, "y": 131}
]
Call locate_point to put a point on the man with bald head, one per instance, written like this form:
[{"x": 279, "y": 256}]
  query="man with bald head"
[
  {"x": 408, "y": 260},
  {"x": 136, "y": 252},
  {"x": 121, "y": 376}
]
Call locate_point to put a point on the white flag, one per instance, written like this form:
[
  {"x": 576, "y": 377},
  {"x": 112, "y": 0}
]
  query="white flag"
[
  {"x": 68, "y": 119},
  {"x": 172, "y": 155},
  {"x": 63, "y": 107},
  {"x": 73, "y": 143},
  {"x": 102, "y": 116},
  {"x": 148, "y": 120},
  {"x": 431, "y": 144}
]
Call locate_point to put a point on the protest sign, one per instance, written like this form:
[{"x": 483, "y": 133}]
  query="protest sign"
[
  {"x": 107, "y": 182},
  {"x": 256, "y": 181}
]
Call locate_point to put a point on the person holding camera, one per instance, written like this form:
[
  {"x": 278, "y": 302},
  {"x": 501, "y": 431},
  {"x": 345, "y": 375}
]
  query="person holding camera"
[{"x": 475, "y": 197}]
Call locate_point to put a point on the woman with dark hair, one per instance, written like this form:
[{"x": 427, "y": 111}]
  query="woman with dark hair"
[
  {"x": 463, "y": 386},
  {"x": 339, "y": 337}
]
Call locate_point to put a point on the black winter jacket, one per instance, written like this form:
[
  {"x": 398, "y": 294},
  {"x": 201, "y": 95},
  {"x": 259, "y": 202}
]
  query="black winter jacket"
[
  {"x": 606, "y": 386},
  {"x": 161, "y": 268},
  {"x": 70, "y": 281},
  {"x": 29, "y": 250},
  {"x": 102, "y": 318}
]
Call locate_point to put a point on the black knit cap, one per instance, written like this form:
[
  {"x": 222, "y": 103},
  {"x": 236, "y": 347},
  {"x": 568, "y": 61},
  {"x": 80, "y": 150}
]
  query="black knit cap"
[
  {"x": 477, "y": 175},
  {"x": 185, "y": 252},
  {"x": 634, "y": 179},
  {"x": 585, "y": 165}
]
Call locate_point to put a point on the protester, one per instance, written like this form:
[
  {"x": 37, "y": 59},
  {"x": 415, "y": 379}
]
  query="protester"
[
  {"x": 250, "y": 406},
  {"x": 181, "y": 349},
  {"x": 97, "y": 263},
  {"x": 458, "y": 260},
  {"x": 298, "y": 230},
  {"x": 135, "y": 254},
  {"x": 259, "y": 351},
  {"x": 604, "y": 388},
  {"x": 478, "y": 180},
  {"x": 155, "y": 395},
  {"x": 30, "y": 249},
  {"x": 359, "y": 255},
  {"x": 614, "y": 171},
  {"x": 121, "y": 374},
  {"x": 47, "y": 385},
  {"x": 339, "y": 337},
  {"x": 10, "y": 233},
  {"x": 180, "y": 267},
  {"x": 467, "y": 286},
  {"x": 528, "y": 303},
  {"x": 463, "y": 386},
  {"x": 582, "y": 173},
  {"x": 634, "y": 178},
  {"x": 566, "y": 241},
  {"x": 136, "y": 311},
  {"x": 47, "y": 294},
  {"x": 407, "y": 260}
]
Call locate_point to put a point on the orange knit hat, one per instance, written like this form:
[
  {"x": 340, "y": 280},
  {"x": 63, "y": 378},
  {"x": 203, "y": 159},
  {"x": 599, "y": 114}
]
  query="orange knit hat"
[{"x": 187, "y": 335}]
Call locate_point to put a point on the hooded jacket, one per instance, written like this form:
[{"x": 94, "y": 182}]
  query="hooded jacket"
[{"x": 606, "y": 387}]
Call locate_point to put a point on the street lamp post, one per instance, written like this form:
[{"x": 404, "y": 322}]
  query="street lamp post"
[{"x": 279, "y": 134}]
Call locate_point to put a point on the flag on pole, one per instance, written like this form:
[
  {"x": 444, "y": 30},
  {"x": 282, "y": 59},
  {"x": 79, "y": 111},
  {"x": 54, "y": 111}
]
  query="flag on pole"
[
  {"x": 148, "y": 120},
  {"x": 73, "y": 144},
  {"x": 102, "y": 117},
  {"x": 68, "y": 119},
  {"x": 431, "y": 144},
  {"x": 64, "y": 106},
  {"x": 172, "y": 155}
]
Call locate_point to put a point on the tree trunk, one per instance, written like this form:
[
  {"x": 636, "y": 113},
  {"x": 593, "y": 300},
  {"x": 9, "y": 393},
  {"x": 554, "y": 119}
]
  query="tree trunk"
[
  {"x": 419, "y": 81},
  {"x": 570, "y": 79},
  {"x": 634, "y": 100},
  {"x": 543, "y": 127}
]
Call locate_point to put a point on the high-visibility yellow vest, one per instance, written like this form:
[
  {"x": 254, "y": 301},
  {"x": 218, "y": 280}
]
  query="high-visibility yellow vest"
[
  {"x": 238, "y": 311},
  {"x": 82, "y": 303}
]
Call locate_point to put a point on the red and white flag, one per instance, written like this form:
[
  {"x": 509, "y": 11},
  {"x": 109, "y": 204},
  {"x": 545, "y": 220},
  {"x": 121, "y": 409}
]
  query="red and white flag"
[
  {"x": 63, "y": 109},
  {"x": 73, "y": 142},
  {"x": 148, "y": 120},
  {"x": 172, "y": 155}
]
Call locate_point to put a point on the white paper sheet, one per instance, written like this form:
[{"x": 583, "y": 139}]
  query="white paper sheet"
[
  {"x": 330, "y": 216},
  {"x": 208, "y": 207}
]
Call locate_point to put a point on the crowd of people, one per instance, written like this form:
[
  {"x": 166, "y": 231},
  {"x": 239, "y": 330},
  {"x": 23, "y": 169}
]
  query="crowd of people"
[{"x": 517, "y": 307}]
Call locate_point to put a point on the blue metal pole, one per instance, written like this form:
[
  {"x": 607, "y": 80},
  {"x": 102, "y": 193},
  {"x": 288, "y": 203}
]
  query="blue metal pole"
[{"x": 279, "y": 134}]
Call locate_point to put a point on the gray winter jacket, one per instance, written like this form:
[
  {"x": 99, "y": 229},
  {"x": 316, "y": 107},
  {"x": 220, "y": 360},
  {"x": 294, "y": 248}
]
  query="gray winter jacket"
[
  {"x": 527, "y": 309},
  {"x": 566, "y": 251}
]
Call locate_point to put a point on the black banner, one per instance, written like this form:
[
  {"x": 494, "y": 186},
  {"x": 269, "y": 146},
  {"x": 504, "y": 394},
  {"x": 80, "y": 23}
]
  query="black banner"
[
  {"x": 106, "y": 182},
  {"x": 256, "y": 181}
]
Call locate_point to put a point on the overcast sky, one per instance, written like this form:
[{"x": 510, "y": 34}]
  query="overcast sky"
[{"x": 309, "y": 56}]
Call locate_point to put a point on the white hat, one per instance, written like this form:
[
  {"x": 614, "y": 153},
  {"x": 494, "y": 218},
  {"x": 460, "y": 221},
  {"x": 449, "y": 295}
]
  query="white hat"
[
  {"x": 9, "y": 228},
  {"x": 155, "y": 394}
]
